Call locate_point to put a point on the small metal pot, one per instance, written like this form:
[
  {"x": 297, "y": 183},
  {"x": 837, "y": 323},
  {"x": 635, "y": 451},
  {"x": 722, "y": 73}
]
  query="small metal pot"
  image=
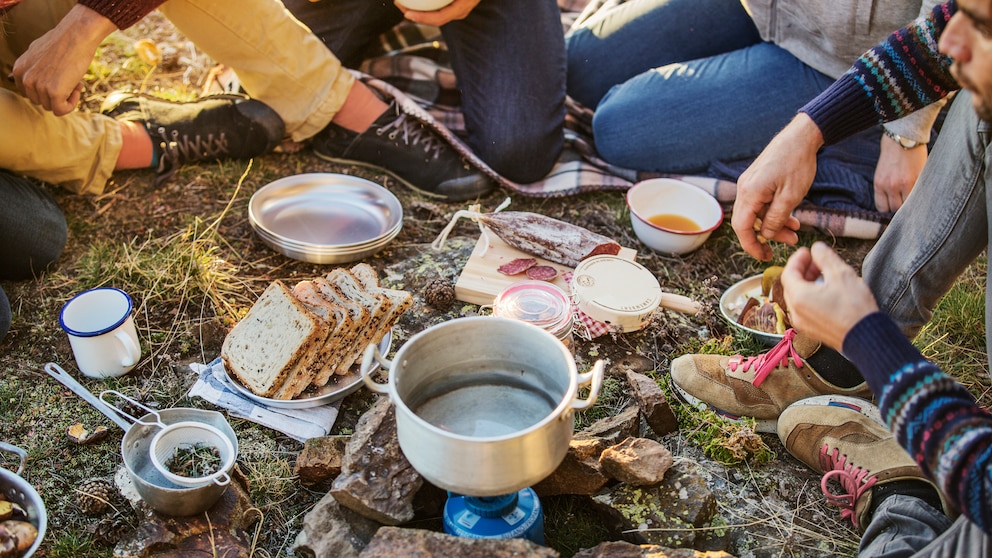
[
  {"x": 19, "y": 491},
  {"x": 163, "y": 495},
  {"x": 485, "y": 406}
]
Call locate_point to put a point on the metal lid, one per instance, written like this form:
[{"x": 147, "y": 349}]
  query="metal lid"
[
  {"x": 616, "y": 291},
  {"x": 537, "y": 302}
]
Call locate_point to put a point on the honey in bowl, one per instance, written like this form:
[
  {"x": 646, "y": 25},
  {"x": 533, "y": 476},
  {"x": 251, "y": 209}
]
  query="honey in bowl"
[{"x": 674, "y": 222}]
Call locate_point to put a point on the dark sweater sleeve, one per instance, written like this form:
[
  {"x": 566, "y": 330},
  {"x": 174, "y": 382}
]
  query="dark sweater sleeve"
[
  {"x": 123, "y": 13},
  {"x": 933, "y": 416},
  {"x": 904, "y": 73}
]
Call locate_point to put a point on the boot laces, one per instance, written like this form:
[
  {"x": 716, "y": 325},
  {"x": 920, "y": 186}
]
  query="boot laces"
[
  {"x": 177, "y": 149},
  {"x": 413, "y": 133},
  {"x": 764, "y": 363},
  {"x": 854, "y": 482}
]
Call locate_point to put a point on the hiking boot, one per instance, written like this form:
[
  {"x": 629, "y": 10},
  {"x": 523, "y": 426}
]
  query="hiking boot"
[
  {"x": 228, "y": 126},
  {"x": 760, "y": 387},
  {"x": 403, "y": 147},
  {"x": 845, "y": 439}
]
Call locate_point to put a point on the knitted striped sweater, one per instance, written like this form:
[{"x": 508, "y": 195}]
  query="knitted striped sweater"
[
  {"x": 934, "y": 417},
  {"x": 900, "y": 75}
]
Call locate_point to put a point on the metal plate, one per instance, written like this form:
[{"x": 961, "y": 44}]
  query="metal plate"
[
  {"x": 337, "y": 388},
  {"x": 733, "y": 300},
  {"x": 325, "y": 211}
]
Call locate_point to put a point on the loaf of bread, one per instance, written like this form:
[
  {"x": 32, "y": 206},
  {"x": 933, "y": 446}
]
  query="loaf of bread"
[
  {"x": 294, "y": 339},
  {"x": 277, "y": 337}
]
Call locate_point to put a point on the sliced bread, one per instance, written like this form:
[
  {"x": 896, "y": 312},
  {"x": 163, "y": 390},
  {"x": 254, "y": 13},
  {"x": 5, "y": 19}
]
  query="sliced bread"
[
  {"x": 263, "y": 349},
  {"x": 377, "y": 306},
  {"x": 347, "y": 337},
  {"x": 401, "y": 300}
]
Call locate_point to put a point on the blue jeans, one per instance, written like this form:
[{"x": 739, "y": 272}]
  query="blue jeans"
[
  {"x": 904, "y": 527},
  {"x": 508, "y": 57},
  {"x": 679, "y": 84},
  {"x": 941, "y": 229},
  {"x": 33, "y": 233}
]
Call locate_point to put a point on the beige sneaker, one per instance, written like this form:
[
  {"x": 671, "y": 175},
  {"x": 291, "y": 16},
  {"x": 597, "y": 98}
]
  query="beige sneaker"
[
  {"x": 845, "y": 439},
  {"x": 760, "y": 387}
]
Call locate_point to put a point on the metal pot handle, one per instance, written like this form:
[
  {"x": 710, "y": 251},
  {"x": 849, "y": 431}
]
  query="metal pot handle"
[
  {"x": 596, "y": 377},
  {"x": 372, "y": 352},
  {"x": 4, "y": 446}
]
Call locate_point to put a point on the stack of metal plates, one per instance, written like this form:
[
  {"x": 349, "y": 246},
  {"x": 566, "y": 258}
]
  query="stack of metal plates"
[{"x": 325, "y": 218}]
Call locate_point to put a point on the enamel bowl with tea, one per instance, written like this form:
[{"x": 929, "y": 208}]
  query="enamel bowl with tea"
[{"x": 672, "y": 216}]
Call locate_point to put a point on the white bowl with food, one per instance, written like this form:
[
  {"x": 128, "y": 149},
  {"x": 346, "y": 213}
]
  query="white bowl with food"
[
  {"x": 672, "y": 216},
  {"x": 734, "y": 301}
]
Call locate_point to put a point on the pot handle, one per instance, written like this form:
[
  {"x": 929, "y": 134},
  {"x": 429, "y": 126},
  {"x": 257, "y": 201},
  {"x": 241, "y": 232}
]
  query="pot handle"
[
  {"x": 20, "y": 453},
  {"x": 372, "y": 352},
  {"x": 596, "y": 377}
]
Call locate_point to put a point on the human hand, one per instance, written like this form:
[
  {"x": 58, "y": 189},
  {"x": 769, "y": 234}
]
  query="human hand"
[
  {"x": 774, "y": 184},
  {"x": 825, "y": 296},
  {"x": 458, "y": 9},
  {"x": 896, "y": 173},
  {"x": 50, "y": 72}
]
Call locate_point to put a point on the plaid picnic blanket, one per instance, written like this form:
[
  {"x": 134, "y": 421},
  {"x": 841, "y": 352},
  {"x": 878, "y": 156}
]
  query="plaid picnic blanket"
[{"x": 411, "y": 64}]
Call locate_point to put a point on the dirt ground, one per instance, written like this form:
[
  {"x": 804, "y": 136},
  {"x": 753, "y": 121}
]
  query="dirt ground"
[{"x": 134, "y": 219}]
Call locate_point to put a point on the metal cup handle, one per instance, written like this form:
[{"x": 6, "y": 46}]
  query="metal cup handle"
[
  {"x": 372, "y": 353},
  {"x": 19, "y": 451},
  {"x": 596, "y": 377}
]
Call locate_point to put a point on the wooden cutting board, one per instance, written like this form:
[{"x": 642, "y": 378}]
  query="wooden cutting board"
[{"x": 479, "y": 282}]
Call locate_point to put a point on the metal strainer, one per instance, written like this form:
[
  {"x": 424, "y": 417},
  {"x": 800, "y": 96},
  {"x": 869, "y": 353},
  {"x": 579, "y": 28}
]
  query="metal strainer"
[{"x": 182, "y": 436}]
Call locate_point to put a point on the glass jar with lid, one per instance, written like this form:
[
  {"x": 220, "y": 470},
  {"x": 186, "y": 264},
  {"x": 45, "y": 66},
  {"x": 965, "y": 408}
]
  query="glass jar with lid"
[{"x": 540, "y": 303}]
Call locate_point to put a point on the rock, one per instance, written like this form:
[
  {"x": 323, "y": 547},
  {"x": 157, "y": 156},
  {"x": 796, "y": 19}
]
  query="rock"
[
  {"x": 614, "y": 429},
  {"x": 221, "y": 533},
  {"x": 390, "y": 542},
  {"x": 653, "y": 403},
  {"x": 622, "y": 549},
  {"x": 330, "y": 530},
  {"x": 320, "y": 461},
  {"x": 637, "y": 461},
  {"x": 664, "y": 514},
  {"x": 579, "y": 472},
  {"x": 376, "y": 479}
]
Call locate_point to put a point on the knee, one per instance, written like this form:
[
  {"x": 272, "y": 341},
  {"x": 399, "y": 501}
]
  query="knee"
[
  {"x": 32, "y": 226},
  {"x": 523, "y": 160}
]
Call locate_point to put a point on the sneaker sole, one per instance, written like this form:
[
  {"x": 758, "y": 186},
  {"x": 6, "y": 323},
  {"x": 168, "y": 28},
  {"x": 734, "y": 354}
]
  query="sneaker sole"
[
  {"x": 866, "y": 408},
  {"x": 384, "y": 170},
  {"x": 768, "y": 426}
]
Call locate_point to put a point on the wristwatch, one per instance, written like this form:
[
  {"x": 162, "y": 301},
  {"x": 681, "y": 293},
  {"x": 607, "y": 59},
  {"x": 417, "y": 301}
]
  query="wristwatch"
[{"x": 904, "y": 143}]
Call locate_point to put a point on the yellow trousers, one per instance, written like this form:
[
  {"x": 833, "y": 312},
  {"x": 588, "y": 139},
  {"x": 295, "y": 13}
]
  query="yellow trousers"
[{"x": 277, "y": 59}]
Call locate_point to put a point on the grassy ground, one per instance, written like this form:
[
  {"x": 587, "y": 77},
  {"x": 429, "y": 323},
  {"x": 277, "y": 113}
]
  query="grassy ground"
[{"x": 188, "y": 256}]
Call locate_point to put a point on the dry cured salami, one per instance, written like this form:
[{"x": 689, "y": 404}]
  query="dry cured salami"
[
  {"x": 548, "y": 238},
  {"x": 542, "y": 273},
  {"x": 517, "y": 266}
]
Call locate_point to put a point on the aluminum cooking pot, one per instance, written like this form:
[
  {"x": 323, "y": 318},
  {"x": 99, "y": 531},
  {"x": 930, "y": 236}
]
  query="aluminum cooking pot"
[
  {"x": 485, "y": 406},
  {"x": 18, "y": 490}
]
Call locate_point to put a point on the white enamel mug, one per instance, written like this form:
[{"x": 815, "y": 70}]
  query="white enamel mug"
[{"x": 101, "y": 331}]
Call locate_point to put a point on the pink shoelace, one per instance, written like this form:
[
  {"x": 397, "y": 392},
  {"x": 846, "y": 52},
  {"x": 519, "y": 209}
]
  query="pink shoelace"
[
  {"x": 854, "y": 481},
  {"x": 764, "y": 363}
]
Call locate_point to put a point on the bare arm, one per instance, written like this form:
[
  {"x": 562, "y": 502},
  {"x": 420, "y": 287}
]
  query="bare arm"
[
  {"x": 774, "y": 185},
  {"x": 50, "y": 72}
]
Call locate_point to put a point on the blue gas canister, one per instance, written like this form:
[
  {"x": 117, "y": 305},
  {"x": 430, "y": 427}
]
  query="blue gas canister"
[{"x": 510, "y": 516}]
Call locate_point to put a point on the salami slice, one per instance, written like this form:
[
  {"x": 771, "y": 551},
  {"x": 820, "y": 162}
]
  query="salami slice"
[
  {"x": 517, "y": 266},
  {"x": 542, "y": 273},
  {"x": 548, "y": 238}
]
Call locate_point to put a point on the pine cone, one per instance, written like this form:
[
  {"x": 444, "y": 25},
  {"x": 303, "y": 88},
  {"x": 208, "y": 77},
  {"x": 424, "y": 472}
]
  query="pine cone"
[
  {"x": 439, "y": 293},
  {"x": 95, "y": 494}
]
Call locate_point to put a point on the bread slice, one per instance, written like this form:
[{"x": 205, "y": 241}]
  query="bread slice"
[
  {"x": 278, "y": 334},
  {"x": 347, "y": 337},
  {"x": 377, "y": 306},
  {"x": 401, "y": 300},
  {"x": 298, "y": 380}
]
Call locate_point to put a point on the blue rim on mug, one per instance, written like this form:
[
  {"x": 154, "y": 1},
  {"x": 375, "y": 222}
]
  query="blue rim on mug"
[{"x": 115, "y": 325}]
